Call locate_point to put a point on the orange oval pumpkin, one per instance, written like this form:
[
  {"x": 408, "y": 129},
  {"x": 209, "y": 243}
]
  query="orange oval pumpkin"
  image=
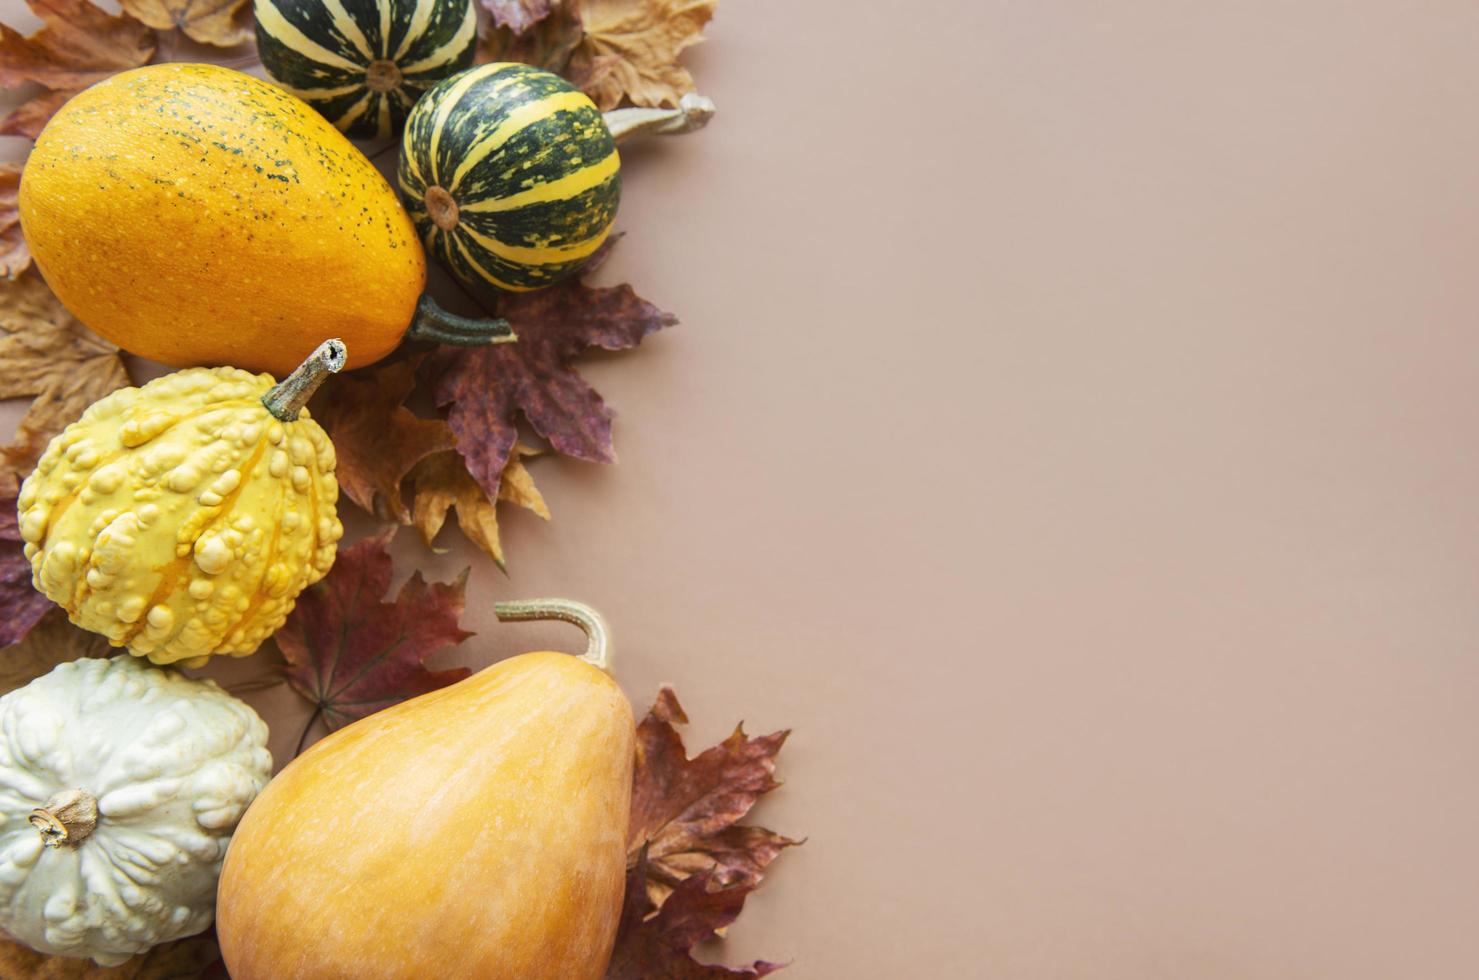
[
  {"x": 198, "y": 216},
  {"x": 476, "y": 831}
]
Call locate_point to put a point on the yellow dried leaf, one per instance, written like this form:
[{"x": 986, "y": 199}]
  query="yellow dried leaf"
[
  {"x": 223, "y": 23},
  {"x": 443, "y": 482},
  {"x": 48, "y": 353},
  {"x": 631, "y": 47}
]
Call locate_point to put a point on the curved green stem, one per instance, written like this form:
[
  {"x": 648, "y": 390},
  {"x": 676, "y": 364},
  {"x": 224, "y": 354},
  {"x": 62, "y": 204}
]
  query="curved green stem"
[
  {"x": 440, "y": 327},
  {"x": 598, "y": 634},
  {"x": 286, "y": 398},
  {"x": 693, "y": 113}
]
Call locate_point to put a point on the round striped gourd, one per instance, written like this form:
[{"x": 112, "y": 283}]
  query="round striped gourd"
[
  {"x": 510, "y": 174},
  {"x": 364, "y": 63}
]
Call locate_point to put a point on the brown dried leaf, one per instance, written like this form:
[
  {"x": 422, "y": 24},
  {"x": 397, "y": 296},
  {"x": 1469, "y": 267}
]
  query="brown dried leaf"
[
  {"x": 377, "y": 440},
  {"x": 685, "y": 812},
  {"x": 484, "y": 388},
  {"x": 442, "y": 482},
  {"x": 48, "y": 353},
  {"x": 352, "y": 654},
  {"x": 631, "y": 47},
  {"x": 224, "y": 23},
  {"x": 654, "y": 943},
  {"x": 32, "y": 117},
  {"x": 15, "y": 257},
  {"x": 53, "y": 641},
  {"x": 77, "y": 45},
  {"x": 546, "y": 44},
  {"x": 184, "y": 959},
  {"x": 518, "y": 15}
]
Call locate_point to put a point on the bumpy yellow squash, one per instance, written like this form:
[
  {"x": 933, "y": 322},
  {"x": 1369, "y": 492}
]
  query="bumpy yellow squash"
[{"x": 183, "y": 518}]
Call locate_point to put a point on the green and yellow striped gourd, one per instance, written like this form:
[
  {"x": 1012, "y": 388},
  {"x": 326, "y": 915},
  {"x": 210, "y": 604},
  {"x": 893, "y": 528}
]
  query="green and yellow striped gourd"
[
  {"x": 364, "y": 63},
  {"x": 510, "y": 174}
]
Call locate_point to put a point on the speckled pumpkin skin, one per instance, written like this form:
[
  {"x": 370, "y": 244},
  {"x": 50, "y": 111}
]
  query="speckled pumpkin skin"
[
  {"x": 198, "y": 216},
  {"x": 181, "y": 519}
]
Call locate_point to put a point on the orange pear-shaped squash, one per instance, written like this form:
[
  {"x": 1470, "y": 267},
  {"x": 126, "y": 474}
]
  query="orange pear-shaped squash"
[{"x": 478, "y": 831}]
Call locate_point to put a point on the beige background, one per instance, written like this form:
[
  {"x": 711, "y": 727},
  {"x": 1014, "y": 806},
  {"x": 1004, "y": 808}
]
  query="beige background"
[{"x": 1072, "y": 436}]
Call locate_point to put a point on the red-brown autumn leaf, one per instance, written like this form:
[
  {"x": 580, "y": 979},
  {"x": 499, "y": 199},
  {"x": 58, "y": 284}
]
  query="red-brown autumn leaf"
[
  {"x": 377, "y": 440},
  {"x": 21, "y": 606},
  {"x": 654, "y": 943},
  {"x": 442, "y": 482},
  {"x": 518, "y": 15},
  {"x": 15, "y": 256},
  {"x": 351, "y": 653},
  {"x": 484, "y": 389},
  {"x": 78, "y": 44},
  {"x": 224, "y": 23},
  {"x": 685, "y": 812}
]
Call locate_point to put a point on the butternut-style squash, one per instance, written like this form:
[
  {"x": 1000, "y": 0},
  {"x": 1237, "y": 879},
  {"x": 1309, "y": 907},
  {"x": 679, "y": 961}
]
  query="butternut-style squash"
[{"x": 476, "y": 831}]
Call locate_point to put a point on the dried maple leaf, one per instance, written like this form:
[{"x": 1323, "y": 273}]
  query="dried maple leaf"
[
  {"x": 377, "y": 440},
  {"x": 685, "y": 811},
  {"x": 184, "y": 959},
  {"x": 519, "y": 15},
  {"x": 352, "y": 654},
  {"x": 21, "y": 605},
  {"x": 78, "y": 44},
  {"x": 484, "y": 388},
  {"x": 653, "y": 943},
  {"x": 14, "y": 255},
  {"x": 223, "y": 23},
  {"x": 442, "y": 482},
  {"x": 631, "y": 47},
  {"x": 547, "y": 43},
  {"x": 48, "y": 353},
  {"x": 53, "y": 641}
]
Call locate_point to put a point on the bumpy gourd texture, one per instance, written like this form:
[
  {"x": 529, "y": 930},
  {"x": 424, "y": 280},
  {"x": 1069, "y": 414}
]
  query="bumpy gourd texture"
[
  {"x": 181, "y": 519},
  {"x": 196, "y": 216},
  {"x": 173, "y": 764}
]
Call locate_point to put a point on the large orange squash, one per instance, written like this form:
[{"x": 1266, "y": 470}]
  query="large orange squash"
[
  {"x": 198, "y": 216},
  {"x": 478, "y": 831}
]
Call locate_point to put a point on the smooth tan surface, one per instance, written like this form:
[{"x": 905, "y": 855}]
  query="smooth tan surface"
[{"x": 1072, "y": 435}]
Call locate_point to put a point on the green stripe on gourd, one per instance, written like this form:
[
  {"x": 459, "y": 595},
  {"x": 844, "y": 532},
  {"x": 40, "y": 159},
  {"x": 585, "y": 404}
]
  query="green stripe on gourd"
[
  {"x": 510, "y": 174},
  {"x": 364, "y": 63}
]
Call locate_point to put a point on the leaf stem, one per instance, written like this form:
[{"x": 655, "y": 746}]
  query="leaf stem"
[
  {"x": 598, "y": 634},
  {"x": 312, "y": 720}
]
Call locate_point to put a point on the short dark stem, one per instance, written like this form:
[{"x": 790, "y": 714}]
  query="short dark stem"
[
  {"x": 440, "y": 327},
  {"x": 286, "y": 398},
  {"x": 312, "y": 720}
]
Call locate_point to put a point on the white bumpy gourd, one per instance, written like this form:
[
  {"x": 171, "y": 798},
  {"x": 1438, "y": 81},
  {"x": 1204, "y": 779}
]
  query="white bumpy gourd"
[{"x": 120, "y": 786}]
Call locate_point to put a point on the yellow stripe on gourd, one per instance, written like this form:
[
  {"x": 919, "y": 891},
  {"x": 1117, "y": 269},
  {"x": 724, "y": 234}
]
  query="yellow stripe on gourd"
[
  {"x": 348, "y": 27},
  {"x": 442, "y": 55},
  {"x": 449, "y": 100},
  {"x": 490, "y": 277},
  {"x": 560, "y": 189},
  {"x": 420, "y": 16},
  {"x": 277, "y": 27},
  {"x": 519, "y": 118},
  {"x": 538, "y": 255},
  {"x": 355, "y": 111}
]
